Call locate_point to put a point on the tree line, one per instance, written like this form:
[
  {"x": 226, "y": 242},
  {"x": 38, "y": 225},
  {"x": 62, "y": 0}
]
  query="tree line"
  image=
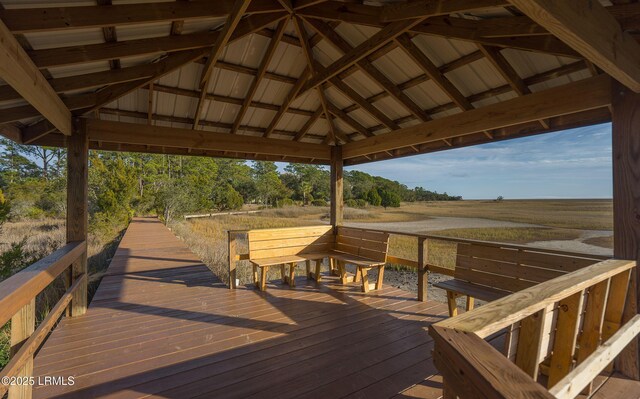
[{"x": 33, "y": 181}]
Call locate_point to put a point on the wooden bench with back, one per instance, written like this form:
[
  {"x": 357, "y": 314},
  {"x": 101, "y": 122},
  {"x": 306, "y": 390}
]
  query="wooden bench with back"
[
  {"x": 287, "y": 246},
  {"x": 488, "y": 271}
]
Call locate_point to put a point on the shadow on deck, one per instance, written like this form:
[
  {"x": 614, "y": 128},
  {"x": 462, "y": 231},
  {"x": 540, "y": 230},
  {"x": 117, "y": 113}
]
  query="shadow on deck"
[{"x": 162, "y": 325}]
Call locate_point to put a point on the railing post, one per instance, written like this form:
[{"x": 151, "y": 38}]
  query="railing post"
[
  {"x": 232, "y": 259},
  {"x": 423, "y": 276},
  {"x": 23, "y": 325},
  {"x": 77, "y": 204}
]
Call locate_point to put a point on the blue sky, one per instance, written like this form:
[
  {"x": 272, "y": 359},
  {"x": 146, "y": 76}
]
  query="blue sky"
[{"x": 573, "y": 163}]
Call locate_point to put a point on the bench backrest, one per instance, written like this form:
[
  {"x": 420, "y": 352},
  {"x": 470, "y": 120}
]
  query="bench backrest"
[
  {"x": 513, "y": 269},
  {"x": 269, "y": 243},
  {"x": 368, "y": 244}
]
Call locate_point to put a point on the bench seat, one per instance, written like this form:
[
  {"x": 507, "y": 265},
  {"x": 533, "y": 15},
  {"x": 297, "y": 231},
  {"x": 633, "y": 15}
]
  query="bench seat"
[
  {"x": 279, "y": 260},
  {"x": 456, "y": 288},
  {"x": 355, "y": 259}
]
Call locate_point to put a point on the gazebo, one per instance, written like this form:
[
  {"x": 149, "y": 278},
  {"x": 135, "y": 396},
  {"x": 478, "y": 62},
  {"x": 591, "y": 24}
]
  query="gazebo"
[{"x": 326, "y": 82}]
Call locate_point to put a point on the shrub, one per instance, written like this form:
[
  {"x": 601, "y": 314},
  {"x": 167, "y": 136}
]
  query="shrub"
[
  {"x": 351, "y": 203},
  {"x": 361, "y": 203},
  {"x": 319, "y": 202},
  {"x": 13, "y": 259},
  {"x": 374, "y": 198},
  {"x": 285, "y": 202}
]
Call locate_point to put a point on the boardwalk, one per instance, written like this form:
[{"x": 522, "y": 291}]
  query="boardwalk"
[{"x": 161, "y": 325}]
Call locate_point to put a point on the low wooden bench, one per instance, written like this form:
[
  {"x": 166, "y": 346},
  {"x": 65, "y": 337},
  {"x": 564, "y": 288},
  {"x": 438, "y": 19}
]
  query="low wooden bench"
[
  {"x": 365, "y": 250},
  {"x": 489, "y": 272},
  {"x": 288, "y": 246}
]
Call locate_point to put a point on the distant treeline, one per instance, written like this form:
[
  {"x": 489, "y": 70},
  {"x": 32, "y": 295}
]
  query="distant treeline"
[{"x": 33, "y": 181}]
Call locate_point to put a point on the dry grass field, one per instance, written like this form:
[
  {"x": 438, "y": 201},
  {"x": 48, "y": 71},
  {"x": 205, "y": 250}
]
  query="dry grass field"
[{"x": 556, "y": 220}]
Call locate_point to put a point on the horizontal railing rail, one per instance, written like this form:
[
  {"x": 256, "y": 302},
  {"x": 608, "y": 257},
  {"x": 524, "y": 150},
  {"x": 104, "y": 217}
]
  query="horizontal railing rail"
[
  {"x": 17, "y": 303},
  {"x": 563, "y": 332}
]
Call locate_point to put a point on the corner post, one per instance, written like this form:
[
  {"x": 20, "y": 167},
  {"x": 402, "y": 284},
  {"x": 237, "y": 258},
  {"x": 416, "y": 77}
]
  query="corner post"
[
  {"x": 422, "y": 269},
  {"x": 77, "y": 206},
  {"x": 625, "y": 105},
  {"x": 233, "y": 252},
  {"x": 337, "y": 203}
]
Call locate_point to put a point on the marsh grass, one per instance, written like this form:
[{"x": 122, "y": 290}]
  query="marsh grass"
[{"x": 604, "y": 242}]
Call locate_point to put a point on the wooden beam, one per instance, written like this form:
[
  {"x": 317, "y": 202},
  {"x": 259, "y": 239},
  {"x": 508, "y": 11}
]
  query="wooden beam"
[
  {"x": 262, "y": 70},
  {"x": 626, "y": 195},
  {"x": 22, "y": 20},
  {"x": 17, "y": 69},
  {"x": 349, "y": 120},
  {"x": 332, "y": 37},
  {"x": 291, "y": 96},
  {"x": 361, "y": 51},
  {"x": 586, "y": 94},
  {"x": 156, "y": 45},
  {"x": 77, "y": 208},
  {"x": 592, "y": 31},
  {"x": 337, "y": 186},
  {"x": 118, "y": 132},
  {"x": 468, "y": 30},
  {"x": 12, "y": 133},
  {"x": 414, "y": 9},
  {"x": 238, "y": 10},
  {"x": 559, "y": 123},
  {"x": 310, "y": 122},
  {"x": 235, "y": 15},
  {"x": 150, "y": 104},
  {"x": 177, "y": 61},
  {"x": 432, "y": 71}
]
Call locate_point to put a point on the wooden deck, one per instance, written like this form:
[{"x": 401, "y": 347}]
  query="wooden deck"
[{"x": 161, "y": 325}]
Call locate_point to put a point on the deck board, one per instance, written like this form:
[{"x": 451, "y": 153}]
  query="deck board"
[{"x": 161, "y": 325}]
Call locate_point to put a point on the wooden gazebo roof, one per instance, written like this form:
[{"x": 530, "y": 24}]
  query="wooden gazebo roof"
[{"x": 286, "y": 80}]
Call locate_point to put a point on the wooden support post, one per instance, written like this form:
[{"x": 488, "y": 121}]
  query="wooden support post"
[
  {"x": 23, "y": 325},
  {"x": 233, "y": 253},
  {"x": 626, "y": 213},
  {"x": 77, "y": 205},
  {"x": 422, "y": 269},
  {"x": 337, "y": 205}
]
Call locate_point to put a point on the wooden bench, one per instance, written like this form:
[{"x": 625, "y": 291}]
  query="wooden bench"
[
  {"x": 365, "y": 250},
  {"x": 489, "y": 272},
  {"x": 288, "y": 246}
]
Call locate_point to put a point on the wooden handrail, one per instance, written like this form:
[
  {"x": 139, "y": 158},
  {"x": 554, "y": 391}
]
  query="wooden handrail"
[
  {"x": 506, "y": 311},
  {"x": 477, "y": 370},
  {"x": 31, "y": 345},
  {"x": 18, "y": 290},
  {"x": 17, "y": 302},
  {"x": 587, "y": 307},
  {"x": 574, "y": 382}
]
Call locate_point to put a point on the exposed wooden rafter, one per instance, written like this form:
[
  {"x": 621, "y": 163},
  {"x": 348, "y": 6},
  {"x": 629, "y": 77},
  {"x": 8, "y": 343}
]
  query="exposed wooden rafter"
[
  {"x": 22, "y": 20},
  {"x": 262, "y": 70},
  {"x": 361, "y": 51},
  {"x": 18, "y": 70},
  {"x": 226, "y": 31},
  {"x": 592, "y": 31},
  {"x": 118, "y": 132},
  {"x": 579, "y": 96}
]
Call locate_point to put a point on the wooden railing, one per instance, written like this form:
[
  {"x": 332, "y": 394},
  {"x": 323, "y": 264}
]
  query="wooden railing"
[
  {"x": 422, "y": 263},
  {"x": 18, "y": 303},
  {"x": 558, "y": 336}
]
